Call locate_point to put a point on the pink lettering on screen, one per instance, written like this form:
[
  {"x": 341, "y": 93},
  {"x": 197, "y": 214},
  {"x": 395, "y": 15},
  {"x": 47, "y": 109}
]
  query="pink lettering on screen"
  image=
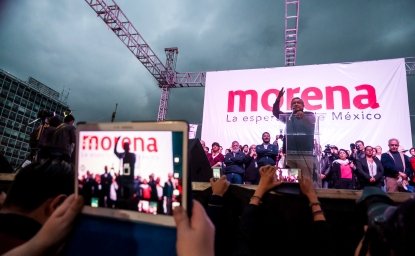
[{"x": 93, "y": 143}]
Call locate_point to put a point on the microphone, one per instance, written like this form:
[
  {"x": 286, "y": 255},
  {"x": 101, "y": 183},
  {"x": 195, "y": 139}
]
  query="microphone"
[{"x": 292, "y": 113}]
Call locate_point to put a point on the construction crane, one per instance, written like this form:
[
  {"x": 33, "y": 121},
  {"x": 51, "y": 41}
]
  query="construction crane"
[
  {"x": 165, "y": 75},
  {"x": 292, "y": 15}
]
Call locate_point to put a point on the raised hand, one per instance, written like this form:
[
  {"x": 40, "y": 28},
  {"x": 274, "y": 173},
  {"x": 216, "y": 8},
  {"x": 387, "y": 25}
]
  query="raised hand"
[{"x": 281, "y": 93}]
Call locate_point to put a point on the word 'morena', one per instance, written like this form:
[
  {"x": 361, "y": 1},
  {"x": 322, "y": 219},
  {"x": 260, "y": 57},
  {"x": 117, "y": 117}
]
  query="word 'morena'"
[{"x": 108, "y": 143}]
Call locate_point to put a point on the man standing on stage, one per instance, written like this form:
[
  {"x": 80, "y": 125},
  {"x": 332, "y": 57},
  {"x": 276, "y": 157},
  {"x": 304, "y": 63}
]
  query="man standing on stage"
[
  {"x": 299, "y": 142},
  {"x": 128, "y": 163}
]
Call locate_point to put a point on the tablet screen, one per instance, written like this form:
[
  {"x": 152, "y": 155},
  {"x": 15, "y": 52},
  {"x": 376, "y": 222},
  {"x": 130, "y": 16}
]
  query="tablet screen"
[{"x": 131, "y": 168}]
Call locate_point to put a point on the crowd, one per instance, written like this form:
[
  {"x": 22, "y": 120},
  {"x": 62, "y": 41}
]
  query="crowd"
[
  {"x": 40, "y": 224},
  {"x": 354, "y": 168},
  {"x": 149, "y": 195},
  {"x": 37, "y": 214}
]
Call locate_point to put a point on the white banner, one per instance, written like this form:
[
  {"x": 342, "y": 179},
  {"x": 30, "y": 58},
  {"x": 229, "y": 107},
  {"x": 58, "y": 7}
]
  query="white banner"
[{"x": 354, "y": 101}]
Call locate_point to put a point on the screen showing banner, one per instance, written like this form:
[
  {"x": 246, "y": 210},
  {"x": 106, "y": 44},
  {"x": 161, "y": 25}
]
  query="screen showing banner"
[
  {"x": 152, "y": 150},
  {"x": 352, "y": 101}
]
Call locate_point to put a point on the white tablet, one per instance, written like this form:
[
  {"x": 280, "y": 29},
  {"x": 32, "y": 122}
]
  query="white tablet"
[{"x": 133, "y": 170}]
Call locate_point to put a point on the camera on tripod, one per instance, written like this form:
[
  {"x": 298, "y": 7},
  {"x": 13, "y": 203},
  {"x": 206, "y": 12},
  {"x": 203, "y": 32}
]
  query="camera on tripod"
[
  {"x": 44, "y": 115},
  {"x": 327, "y": 149}
]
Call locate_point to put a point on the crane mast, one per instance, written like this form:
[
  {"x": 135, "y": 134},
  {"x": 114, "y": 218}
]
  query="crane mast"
[
  {"x": 292, "y": 12},
  {"x": 166, "y": 75}
]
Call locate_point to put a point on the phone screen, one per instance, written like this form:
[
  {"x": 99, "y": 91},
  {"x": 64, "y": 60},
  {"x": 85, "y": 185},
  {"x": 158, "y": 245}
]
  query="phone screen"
[
  {"x": 289, "y": 175},
  {"x": 94, "y": 202},
  {"x": 216, "y": 173}
]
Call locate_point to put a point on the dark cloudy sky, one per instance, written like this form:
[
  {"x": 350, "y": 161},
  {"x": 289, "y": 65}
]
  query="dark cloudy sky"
[{"x": 66, "y": 46}]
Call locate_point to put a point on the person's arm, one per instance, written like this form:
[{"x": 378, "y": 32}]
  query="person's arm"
[
  {"x": 119, "y": 155},
  {"x": 251, "y": 224},
  {"x": 306, "y": 186},
  {"x": 195, "y": 236},
  {"x": 267, "y": 181},
  {"x": 276, "y": 106},
  {"x": 321, "y": 228},
  {"x": 215, "y": 203},
  {"x": 53, "y": 233}
]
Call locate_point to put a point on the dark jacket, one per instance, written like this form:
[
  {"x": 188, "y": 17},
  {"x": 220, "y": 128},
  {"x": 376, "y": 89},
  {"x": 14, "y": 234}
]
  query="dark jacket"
[
  {"x": 266, "y": 156},
  {"x": 235, "y": 163},
  {"x": 363, "y": 173}
]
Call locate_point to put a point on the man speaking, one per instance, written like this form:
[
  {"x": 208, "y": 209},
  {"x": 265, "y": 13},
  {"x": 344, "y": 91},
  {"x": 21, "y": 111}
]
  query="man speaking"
[{"x": 299, "y": 138}]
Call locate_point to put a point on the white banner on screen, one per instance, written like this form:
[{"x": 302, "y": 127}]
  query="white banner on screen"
[
  {"x": 153, "y": 151},
  {"x": 361, "y": 100}
]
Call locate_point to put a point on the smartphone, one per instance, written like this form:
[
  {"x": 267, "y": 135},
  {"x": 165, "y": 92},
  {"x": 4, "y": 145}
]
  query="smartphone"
[
  {"x": 289, "y": 175},
  {"x": 145, "y": 156},
  {"x": 216, "y": 173},
  {"x": 94, "y": 202}
]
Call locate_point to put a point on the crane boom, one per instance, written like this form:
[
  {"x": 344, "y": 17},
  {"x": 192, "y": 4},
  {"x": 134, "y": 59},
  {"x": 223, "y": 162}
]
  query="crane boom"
[{"x": 166, "y": 75}]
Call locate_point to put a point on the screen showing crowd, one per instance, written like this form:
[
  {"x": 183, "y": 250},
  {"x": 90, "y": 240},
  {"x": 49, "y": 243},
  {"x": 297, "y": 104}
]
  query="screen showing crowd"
[{"x": 132, "y": 170}]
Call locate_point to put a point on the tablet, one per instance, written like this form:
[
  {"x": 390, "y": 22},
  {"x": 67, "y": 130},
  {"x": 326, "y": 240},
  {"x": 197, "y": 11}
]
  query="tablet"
[{"x": 133, "y": 170}]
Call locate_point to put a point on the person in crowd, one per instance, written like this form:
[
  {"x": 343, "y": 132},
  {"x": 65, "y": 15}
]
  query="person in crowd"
[
  {"x": 245, "y": 149},
  {"x": 195, "y": 235},
  {"x": 257, "y": 221},
  {"x": 64, "y": 139},
  {"x": 112, "y": 200},
  {"x": 215, "y": 157},
  {"x": 251, "y": 167},
  {"x": 378, "y": 152},
  {"x": 53, "y": 234},
  {"x": 412, "y": 161},
  {"x": 369, "y": 170},
  {"x": 43, "y": 115},
  {"x": 398, "y": 170},
  {"x": 90, "y": 189},
  {"x": 388, "y": 229},
  {"x": 330, "y": 154},
  {"x": 206, "y": 149},
  {"x": 36, "y": 192},
  {"x": 342, "y": 173},
  {"x": 219, "y": 214},
  {"x": 154, "y": 198},
  {"x": 45, "y": 144},
  {"x": 106, "y": 181},
  {"x": 358, "y": 152},
  {"x": 5, "y": 166},
  {"x": 266, "y": 152},
  {"x": 234, "y": 164},
  {"x": 168, "y": 189}
]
